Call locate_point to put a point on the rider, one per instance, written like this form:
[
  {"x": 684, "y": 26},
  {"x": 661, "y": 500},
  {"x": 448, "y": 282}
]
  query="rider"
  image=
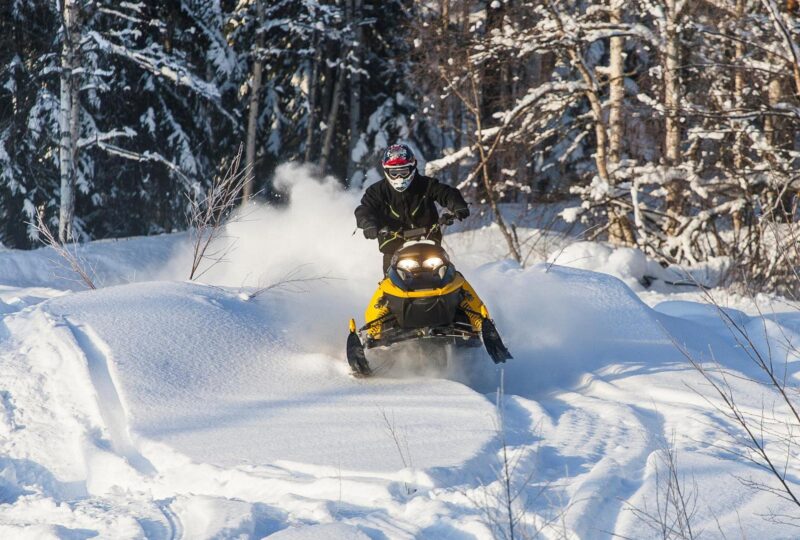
[{"x": 404, "y": 201}]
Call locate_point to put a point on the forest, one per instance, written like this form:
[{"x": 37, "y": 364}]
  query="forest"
[{"x": 666, "y": 125}]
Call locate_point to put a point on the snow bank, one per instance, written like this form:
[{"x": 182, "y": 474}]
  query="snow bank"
[
  {"x": 550, "y": 316},
  {"x": 628, "y": 264},
  {"x": 110, "y": 262}
]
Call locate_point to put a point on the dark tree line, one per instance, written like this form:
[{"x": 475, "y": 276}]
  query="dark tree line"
[
  {"x": 672, "y": 125},
  {"x": 130, "y": 106}
]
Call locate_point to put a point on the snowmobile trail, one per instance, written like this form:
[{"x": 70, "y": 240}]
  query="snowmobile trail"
[{"x": 109, "y": 404}]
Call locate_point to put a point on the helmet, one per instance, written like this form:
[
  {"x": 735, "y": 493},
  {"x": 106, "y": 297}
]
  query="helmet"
[{"x": 399, "y": 166}]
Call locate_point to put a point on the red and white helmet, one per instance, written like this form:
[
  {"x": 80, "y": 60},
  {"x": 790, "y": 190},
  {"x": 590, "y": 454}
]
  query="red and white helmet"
[{"x": 399, "y": 166}]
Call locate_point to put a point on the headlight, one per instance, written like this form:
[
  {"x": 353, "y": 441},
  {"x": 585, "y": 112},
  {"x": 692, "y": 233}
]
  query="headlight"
[
  {"x": 407, "y": 264},
  {"x": 433, "y": 262}
]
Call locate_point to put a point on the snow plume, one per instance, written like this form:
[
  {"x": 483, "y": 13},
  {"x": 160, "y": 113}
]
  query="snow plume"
[{"x": 306, "y": 250}]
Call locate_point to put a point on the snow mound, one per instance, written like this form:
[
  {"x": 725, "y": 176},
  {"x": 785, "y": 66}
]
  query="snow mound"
[
  {"x": 628, "y": 264},
  {"x": 333, "y": 531},
  {"x": 109, "y": 262},
  {"x": 186, "y": 358},
  {"x": 562, "y": 323}
]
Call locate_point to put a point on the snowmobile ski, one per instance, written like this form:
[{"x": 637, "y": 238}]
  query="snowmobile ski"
[
  {"x": 494, "y": 345},
  {"x": 355, "y": 353}
]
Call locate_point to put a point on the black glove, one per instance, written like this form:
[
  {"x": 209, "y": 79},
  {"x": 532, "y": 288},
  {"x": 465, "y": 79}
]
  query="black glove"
[
  {"x": 371, "y": 232},
  {"x": 461, "y": 213},
  {"x": 447, "y": 219}
]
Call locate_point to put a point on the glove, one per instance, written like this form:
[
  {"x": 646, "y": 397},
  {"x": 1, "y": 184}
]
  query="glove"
[
  {"x": 371, "y": 232},
  {"x": 461, "y": 213}
]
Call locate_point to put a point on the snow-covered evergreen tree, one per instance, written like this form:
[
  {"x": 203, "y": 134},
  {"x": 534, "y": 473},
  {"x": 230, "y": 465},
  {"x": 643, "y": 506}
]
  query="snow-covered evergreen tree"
[{"x": 119, "y": 108}]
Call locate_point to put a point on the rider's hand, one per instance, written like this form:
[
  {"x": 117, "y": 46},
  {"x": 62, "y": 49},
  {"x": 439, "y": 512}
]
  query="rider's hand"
[
  {"x": 371, "y": 233},
  {"x": 461, "y": 213}
]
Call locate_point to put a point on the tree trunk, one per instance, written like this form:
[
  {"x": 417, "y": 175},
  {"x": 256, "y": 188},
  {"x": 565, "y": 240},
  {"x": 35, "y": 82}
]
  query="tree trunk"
[
  {"x": 774, "y": 124},
  {"x": 619, "y": 231},
  {"x": 69, "y": 117},
  {"x": 491, "y": 195},
  {"x": 738, "y": 144},
  {"x": 672, "y": 89},
  {"x": 330, "y": 128},
  {"x": 672, "y": 95},
  {"x": 252, "y": 114},
  {"x": 355, "y": 88},
  {"x": 616, "y": 88},
  {"x": 329, "y": 78},
  {"x": 492, "y": 87},
  {"x": 311, "y": 124}
]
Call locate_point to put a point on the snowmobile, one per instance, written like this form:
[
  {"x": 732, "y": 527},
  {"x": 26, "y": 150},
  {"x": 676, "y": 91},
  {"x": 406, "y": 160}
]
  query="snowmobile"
[{"x": 423, "y": 297}]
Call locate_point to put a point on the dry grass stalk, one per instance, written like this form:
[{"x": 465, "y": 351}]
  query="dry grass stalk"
[
  {"x": 209, "y": 215},
  {"x": 67, "y": 252}
]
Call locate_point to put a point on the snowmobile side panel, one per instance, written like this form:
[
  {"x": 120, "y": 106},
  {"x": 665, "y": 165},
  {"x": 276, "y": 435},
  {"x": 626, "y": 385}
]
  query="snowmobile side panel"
[
  {"x": 377, "y": 309},
  {"x": 473, "y": 306}
]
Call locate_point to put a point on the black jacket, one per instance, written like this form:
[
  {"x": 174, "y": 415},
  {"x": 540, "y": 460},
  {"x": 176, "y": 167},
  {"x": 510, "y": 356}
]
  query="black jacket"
[{"x": 383, "y": 206}]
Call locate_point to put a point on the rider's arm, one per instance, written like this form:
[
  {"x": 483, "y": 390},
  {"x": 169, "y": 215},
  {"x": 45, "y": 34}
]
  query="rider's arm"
[
  {"x": 447, "y": 196},
  {"x": 368, "y": 211}
]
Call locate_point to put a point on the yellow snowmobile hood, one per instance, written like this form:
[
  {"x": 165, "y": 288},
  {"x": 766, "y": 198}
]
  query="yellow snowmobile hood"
[
  {"x": 386, "y": 286},
  {"x": 377, "y": 308}
]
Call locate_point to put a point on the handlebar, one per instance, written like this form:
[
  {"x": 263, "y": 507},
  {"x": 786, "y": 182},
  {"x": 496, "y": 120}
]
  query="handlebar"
[{"x": 445, "y": 219}]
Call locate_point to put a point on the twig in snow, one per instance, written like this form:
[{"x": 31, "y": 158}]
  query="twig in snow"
[
  {"x": 293, "y": 281},
  {"x": 68, "y": 253},
  {"x": 764, "y": 436},
  {"x": 400, "y": 442},
  {"x": 505, "y": 503},
  {"x": 208, "y": 216},
  {"x": 675, "y": 504}
]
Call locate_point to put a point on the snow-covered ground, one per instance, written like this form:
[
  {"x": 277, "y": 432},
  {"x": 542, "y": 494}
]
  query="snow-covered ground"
[{"x": 159, "y": 408}]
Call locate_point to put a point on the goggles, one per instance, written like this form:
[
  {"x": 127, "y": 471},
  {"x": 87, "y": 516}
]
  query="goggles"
[{"x": 399, "y": 172}]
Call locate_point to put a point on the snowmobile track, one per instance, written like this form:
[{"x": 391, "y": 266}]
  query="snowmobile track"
[{"x": 109, "y": 402}]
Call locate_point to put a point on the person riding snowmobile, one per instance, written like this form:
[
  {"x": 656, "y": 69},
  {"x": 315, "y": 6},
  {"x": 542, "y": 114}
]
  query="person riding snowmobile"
[
  {"x": 405, "y": 200},
  {"x": 396, "y": 212}
]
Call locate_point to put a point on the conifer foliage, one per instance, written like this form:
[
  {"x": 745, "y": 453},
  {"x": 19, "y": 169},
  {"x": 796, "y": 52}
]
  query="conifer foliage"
[{"x": 669, "y": 125}]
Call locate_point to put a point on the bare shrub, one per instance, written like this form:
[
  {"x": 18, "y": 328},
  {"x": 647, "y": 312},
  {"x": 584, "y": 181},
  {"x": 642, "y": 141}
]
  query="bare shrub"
[
  {"x": 400, "y": 439},
  {"x": 505, "y": 504},
  {"x": 675, "y": 506},
  {"x": 293, "y": 281},
  {"x": 209, "y": 214},
  {"x": 67, "y": 253},
  {"x": 762, "y": 434}
]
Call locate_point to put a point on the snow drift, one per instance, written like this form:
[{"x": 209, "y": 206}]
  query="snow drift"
[{"x": 167, "y": 409}]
